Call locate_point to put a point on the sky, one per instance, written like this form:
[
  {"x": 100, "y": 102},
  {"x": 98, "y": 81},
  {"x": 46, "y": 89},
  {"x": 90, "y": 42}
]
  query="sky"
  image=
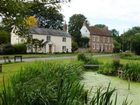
[{"x": 119, "y": 14}]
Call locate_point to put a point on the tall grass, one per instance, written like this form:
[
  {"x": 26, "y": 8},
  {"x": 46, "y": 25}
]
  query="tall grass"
[
  {"x": 45, "y": 83},
  {"x": 132, "y": 71},
  {"x": 87, "y": 59}
]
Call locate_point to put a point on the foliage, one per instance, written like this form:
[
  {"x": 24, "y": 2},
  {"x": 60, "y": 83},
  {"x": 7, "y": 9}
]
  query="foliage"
[
  {"x": 100, "y": 25},
  {"x": 84, "y": 42},
  {"x": 128, "y": 38},
  {"x": 4, "y": 37},
  {"x": 47, "y": 83},
  {"x": 132, "y": 71},
  {"x": 111, "y": 68},
  {"x": 74, "y": 46},
  {"x": 20, "y": 48},
  {"x": 15, "y": 12},
  {"x": 52, "y": 84},
  {"x": 7, "y": 49},
  {"x": 75, "y": 24},
  {"x": 117, "y": 41},
  {"x": 31, "y": 21},
  {"x": 37, "y": 44},
  {"x": 107, "y": 69},
  {"x": 87, "y": 59},
  {"x": 136, "y": 44},
  {"x": 126, "y": 54},
  {"x": 50, "y": 18}
]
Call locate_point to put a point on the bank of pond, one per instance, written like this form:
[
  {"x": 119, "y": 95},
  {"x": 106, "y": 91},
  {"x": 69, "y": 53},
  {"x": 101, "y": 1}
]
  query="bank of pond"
[{"x": 67, "y": 83}]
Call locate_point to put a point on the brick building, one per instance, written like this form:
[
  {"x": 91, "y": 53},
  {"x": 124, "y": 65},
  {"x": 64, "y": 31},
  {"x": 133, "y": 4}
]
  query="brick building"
[{"x": 100, "y": 39}]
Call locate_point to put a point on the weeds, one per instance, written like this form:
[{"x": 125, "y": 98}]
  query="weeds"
[{"x": 45, "y": 83}]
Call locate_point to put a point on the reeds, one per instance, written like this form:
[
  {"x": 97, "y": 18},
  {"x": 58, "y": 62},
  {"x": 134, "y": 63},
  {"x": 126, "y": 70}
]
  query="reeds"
[{"x": 45, "y": 83}]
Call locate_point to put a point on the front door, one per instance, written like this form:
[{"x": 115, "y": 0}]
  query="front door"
[{"x": 50, "y": 48}]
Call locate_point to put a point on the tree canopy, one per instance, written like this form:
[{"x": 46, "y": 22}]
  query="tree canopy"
[
  {"x": 75, "y": 24},
  {"x": 100, "y": 25},
  {"x": 130, "y": 39},
  {"x": 17, "y": 12}
]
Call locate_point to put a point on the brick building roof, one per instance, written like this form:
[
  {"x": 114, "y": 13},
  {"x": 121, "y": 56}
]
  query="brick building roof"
[{"x": 99, "y": 31}]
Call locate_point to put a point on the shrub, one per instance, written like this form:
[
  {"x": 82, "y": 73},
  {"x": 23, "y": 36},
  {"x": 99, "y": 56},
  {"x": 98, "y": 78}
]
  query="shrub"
[
  {"x": 132, "y": 71},
  {"x": 20, "y": 48},
  {"x": 107, "y": 69},
  {"x": 82, "y": 57},
  {"x": 126, "y": 54},
  {"x": 87, "y": 59},
  {"x": 111, "y": 68},
  {"x": 7, "y": 49}
]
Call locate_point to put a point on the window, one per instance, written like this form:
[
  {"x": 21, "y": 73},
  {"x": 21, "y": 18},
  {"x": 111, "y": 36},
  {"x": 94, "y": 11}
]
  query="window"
[
  {"x": 97, "y": 46},
  {"x": 48, "y": 38},
  {"x": 93, "y": 46},
  {"x": 93, "y": 38},
  {"x": 98, "y": 38},
  {"x": 108, "y": 39},
  {"x": 63, "y": 48},
  {"x": 64, "y": 39}
]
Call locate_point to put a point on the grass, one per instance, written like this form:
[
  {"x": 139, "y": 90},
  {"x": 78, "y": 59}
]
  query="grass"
[
  {"x": 109, "y": 60},
  {"x": 37, "y": 55},
  {"x": 51, "y": 83},
  {"x": 11, "y": 69}
]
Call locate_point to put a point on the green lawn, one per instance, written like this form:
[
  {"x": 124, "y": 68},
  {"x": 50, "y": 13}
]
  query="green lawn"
[{"x": 13, "y": 68}]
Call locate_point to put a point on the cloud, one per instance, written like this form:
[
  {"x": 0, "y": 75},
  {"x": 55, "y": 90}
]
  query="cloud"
[{"x": 123, "y": 13}]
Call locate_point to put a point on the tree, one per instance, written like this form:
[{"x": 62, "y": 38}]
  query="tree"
[
  {"x": 31, "y": 21},
  {"x": 117, "y": 40},
  {"x": 136, "y": 43},
  {"x": 15, "y": 12},
  {"x": 75, "y": 24},
  {"x": 4, "y": 36},
  {"x": 100, "y": 25},
  {"x": 128, "y": 38}
]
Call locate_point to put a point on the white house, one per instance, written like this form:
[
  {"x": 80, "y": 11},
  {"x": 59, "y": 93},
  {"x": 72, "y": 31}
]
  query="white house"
[
  {"x": 84, "y": 31},
  {"x": 53, "y": 40}
]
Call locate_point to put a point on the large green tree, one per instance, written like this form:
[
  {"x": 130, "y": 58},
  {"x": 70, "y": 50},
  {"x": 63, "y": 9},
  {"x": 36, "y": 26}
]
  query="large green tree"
[
  {"x": 75, "y": 24},
  {"x": 15, "y": 12},
  {"x": 117, "y": 41},
  {"x": 128, "y": 38},
  {"x": 135, "y": 46}
]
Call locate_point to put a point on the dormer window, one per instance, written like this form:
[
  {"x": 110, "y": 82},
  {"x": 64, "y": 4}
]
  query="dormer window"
[{"x": 64, "y": 39}]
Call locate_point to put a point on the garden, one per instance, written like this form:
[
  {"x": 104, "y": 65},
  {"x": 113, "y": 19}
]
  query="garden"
[{"x": 69, "y": 82}]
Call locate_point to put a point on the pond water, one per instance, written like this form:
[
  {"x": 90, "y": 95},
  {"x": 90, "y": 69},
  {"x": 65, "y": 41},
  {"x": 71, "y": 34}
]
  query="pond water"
[{"x": 94, "y": 80}]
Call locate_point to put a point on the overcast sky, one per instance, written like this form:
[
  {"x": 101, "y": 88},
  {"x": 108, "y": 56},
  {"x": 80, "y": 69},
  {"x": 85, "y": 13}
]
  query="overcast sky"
[{"x": 118, "y": 14}]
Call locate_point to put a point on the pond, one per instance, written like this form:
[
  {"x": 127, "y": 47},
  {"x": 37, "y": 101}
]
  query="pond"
[{"x": 94, "y": 80}]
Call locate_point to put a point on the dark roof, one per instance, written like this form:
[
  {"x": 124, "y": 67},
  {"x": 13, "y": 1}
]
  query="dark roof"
[
  {"x": 44, "y": 31},
  {"x": 99, "y": 31}
]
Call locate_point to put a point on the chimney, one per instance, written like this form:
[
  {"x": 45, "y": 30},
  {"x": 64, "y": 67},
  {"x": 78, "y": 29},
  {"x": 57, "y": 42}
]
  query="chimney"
[{"x": 65, "y": 27}]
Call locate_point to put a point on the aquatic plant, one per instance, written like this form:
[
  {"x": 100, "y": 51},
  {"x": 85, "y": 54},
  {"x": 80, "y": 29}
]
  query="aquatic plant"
[{"x": 44, "y": 83}]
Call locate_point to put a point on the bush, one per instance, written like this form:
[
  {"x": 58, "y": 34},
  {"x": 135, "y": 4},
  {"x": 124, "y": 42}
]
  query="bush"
[
  {"x": 111, "y": 68},
  {"x": 7, "y": 49},
  {"x": 132, "y": 71},
  {"x": 20, "y": 48},
  {"x": 107, "y": 69},
  {"x": 126, "y": 54},
  {"x": 87, "y": 59}
]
